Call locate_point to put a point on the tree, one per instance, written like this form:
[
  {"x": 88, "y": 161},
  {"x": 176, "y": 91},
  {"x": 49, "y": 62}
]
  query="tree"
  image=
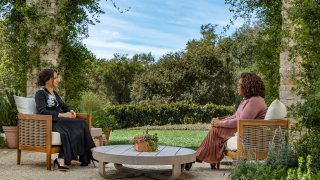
[
  {"x": 195, "y": 75},
  {"x": 114, "y": 77},
  {"x": 268, "y": 39}
]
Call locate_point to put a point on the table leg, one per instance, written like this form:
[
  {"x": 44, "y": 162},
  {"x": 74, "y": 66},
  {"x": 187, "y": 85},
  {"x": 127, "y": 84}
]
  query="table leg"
[
  {"x": 118, "y": 166},
  {"x": 102, "y": 169},
  {"x": 176, "y": 171}
]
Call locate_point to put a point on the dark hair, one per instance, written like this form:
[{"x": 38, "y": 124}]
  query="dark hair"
[
  {"x": 45, "y": 75},
  {"x": 252, "y": 85}
]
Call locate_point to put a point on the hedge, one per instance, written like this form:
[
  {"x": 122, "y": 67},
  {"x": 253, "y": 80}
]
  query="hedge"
[{"x": 135, "y": 115}]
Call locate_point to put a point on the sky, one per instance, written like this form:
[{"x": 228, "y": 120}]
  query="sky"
[{"x": 156, "y": 26}]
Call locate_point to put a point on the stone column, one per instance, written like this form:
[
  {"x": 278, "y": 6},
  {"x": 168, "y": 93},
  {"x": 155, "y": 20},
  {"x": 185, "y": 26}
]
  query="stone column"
[
  {"x": 49, "y": 53},
  {"x": 288, "y": 68}
]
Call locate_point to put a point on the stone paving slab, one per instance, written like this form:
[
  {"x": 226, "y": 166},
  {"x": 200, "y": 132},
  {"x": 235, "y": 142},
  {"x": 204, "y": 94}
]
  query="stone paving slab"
[{"x": 33, "y": 167}]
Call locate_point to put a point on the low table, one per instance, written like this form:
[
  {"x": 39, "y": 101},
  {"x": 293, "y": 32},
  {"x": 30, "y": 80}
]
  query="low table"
[{"x": 125, "y": 154}]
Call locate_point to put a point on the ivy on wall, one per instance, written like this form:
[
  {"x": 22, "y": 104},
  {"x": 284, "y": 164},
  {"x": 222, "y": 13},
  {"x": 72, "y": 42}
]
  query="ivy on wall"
[{"x": 27, "y": 27}]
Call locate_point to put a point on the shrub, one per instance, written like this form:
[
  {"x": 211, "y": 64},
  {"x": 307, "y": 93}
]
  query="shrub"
[
  {"x": 2, "y": 141},
  {"x": 104, "y": 120},
  {"x": 308, "y": 144},
  {"x": 8, "y": 109},
  {"x": 134, "y": 115},
  {"x": 91, "y": 102}
]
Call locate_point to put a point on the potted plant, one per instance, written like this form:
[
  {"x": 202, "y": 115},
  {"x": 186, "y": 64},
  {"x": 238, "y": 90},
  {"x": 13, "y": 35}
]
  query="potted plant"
[
  {"x": 145, "y": 142},
  {"x": 9, "y": 118},
  {"x": 105, "y": 121}
]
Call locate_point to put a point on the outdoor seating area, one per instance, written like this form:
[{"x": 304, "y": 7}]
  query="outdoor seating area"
[
  {"x": 34, "y": 166},
  {"x": 160, "y": 89}
]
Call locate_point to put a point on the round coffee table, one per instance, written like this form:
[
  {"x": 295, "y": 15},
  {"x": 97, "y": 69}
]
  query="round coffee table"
[{"x": 125, "y": 154}]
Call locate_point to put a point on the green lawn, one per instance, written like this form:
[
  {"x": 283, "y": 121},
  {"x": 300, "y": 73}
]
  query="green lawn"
[{"x": 183, "y": 138}]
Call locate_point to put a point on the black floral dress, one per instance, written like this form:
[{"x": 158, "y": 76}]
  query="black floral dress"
[{"x": 75, "y": 136}]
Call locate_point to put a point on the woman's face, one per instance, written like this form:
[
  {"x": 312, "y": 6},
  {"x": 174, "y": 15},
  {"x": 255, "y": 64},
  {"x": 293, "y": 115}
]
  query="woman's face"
[
  {"x": 53, "y": 82},
  {"x": 240, "y": 90}
]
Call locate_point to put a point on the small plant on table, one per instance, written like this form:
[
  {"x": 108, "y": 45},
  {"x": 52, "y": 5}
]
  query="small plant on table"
[{"x": 145, "y": 142}]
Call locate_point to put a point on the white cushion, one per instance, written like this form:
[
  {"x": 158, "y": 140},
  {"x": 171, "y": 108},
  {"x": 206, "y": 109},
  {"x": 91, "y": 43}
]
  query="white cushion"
[
  {"x": 232, "y": 143},
  {"x": 25, "y": 105},
  {"x": 276, "y": 110},
  {"x": 56, "y": 140}
]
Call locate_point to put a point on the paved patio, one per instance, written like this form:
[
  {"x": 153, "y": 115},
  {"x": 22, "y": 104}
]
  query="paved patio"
[{"x": 33, "y": 167}]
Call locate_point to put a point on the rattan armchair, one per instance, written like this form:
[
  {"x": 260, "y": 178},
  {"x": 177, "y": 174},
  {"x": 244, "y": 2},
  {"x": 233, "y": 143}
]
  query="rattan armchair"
[
  {"x": 255, "y": 136},
  {"x": 35, "y": 134}
]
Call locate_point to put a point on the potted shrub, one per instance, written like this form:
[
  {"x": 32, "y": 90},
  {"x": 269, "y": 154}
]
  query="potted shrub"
[
  {"x": 145, "y": 142},
  {"x": 105, "y": 121},
  {"x": 8, "y": 118}
]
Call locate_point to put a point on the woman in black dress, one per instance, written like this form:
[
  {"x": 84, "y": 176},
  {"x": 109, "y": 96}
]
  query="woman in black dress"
[{"x": 75, "y": 136}]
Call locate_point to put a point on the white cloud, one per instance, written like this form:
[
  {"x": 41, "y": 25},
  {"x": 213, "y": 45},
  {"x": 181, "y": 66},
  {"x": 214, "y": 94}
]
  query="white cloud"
[{"x": 107, "y": 49}]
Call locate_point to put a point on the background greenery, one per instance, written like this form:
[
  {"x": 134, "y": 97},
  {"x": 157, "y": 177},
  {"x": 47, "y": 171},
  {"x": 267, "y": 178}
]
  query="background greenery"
[{"x": 182, "y": 138}]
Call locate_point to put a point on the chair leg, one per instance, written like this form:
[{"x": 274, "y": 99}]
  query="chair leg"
[
  {"x": 100, "y": 141},
  {"x": 18, "y": 156},
  {"x": 48, "y": 161}
]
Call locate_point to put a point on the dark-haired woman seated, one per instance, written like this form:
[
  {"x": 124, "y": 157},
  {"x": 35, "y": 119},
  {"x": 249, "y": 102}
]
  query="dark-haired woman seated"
[
  {"x": 251, "y": 88},
  {"x": 75, "y": 136}
]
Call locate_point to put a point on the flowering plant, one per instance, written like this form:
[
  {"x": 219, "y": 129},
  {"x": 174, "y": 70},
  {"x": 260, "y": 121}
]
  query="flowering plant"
[{"x": 151, "y": 141}]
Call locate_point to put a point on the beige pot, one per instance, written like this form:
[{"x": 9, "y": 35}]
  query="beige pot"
[
  {"x": 107, "y": 135},
  {"x": 11, "y": 133}
]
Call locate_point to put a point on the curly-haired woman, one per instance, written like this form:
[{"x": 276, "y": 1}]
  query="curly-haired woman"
[{"x": 251, "y": 88}]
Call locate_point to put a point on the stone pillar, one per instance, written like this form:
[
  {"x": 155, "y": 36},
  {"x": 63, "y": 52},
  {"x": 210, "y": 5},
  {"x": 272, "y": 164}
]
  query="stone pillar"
[
  {"x": 49, "y": 53},
  {"x": 288, "y": 68}
]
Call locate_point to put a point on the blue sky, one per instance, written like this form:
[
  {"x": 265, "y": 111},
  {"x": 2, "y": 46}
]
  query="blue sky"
[{"x": 156, "y": 26}]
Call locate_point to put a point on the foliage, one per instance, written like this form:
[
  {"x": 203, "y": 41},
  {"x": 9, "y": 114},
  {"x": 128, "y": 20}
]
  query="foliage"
[
  {"x": 113, "y": 78},
  {"x": 91, "y": 101},
  {"x": 304, "y": 171},
  {"x": 3, "y": 142},
  {"x": 74, "y": 67},
  {"x": 152, "y": 140},
  {"x": 195, "y": 76},
  {"x": 104, "y": 120},
  {"x": 309, "y": 144},
  {"x": 26, "y": 30},
  {"x": 133, "y": 115},
  {"x": 182, "y": 138},
  {"x": 8, "y": 109},
  {"x": 305, "y": 51},
  {"x": 265, "y": 41}
]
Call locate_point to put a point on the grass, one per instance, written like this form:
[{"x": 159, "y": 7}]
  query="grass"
[{"x": 182, "y": 138}]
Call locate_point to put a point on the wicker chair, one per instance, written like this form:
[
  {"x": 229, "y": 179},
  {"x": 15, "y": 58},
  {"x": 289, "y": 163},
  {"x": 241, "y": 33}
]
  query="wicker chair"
[
  {"x": 35, "y": 134},
  {"x": 255, "y": 136}
]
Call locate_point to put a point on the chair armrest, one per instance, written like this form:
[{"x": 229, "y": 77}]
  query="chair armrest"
[
  {"x": 34, "y": 130},
  {"x": 86, "y": 117}
]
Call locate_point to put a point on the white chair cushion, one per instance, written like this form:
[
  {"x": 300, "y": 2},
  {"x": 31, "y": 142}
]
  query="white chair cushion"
[
  {"x": 276, "y": 110},
  {"x": 56, "y": 140},
  {"x": 232, "y": 143},
  {"x": 25, "y": 105}
]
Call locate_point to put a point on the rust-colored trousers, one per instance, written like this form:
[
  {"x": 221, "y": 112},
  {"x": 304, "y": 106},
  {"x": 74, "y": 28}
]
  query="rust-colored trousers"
[{"x": 214, "y": 144}]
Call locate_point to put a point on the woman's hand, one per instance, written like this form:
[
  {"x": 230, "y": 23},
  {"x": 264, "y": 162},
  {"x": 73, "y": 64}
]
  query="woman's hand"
[
  {"x": 73, "y": 114},
  {"x": 214, "y": 121},
  {"x": 67, "y": 115}
]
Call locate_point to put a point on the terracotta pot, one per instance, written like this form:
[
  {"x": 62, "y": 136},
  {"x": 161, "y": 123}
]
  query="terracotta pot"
[
  {"x": 107, "y": 134},
  {"x": 11, "y": 133},
  {"x": 141, "y": 147}
]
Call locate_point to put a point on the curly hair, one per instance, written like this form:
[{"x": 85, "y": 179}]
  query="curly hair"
[
  {"x": 45, "y": 75},
  {"x": 252, "y": 85}
]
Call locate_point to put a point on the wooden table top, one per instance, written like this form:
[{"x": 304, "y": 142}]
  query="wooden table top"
[{"x": 125, "y": 154}]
